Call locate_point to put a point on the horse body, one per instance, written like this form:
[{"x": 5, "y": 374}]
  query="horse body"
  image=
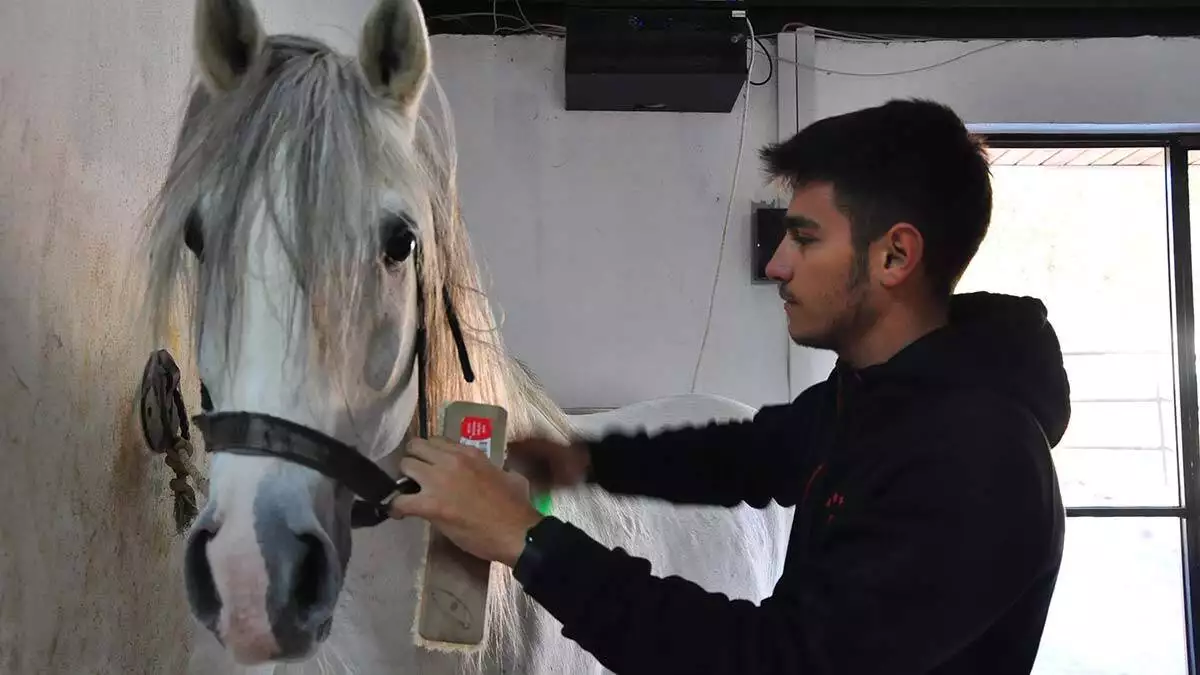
[
  {"x": 372, "y": 633},
  {"x": 315, "y": 207}
]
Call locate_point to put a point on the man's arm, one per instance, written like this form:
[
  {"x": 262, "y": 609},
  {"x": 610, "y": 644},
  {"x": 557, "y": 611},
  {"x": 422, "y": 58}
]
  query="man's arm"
[
  {"x": 906, "y": 582},
  {"x": 718, "y": 464}
]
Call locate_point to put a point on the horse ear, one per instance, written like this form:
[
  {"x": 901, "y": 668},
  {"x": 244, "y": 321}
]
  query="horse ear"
[
  {"x": 228, "y": 38},
  {"x": 394, "y": 52}
]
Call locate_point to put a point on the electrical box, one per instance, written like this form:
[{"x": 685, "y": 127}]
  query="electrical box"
[{"x": 769, "y": 228}]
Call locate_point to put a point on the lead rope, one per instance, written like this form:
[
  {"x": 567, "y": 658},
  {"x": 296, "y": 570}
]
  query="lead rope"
[
  {"x": 165, "y": 430},
  {"x": 179, "y": 459}
]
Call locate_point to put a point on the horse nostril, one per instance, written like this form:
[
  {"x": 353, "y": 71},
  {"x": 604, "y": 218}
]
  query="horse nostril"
[
  {"x": 198, "y": 579},
  {"x": 312, "y": 592},
  {"x": 305, "y": 582}
]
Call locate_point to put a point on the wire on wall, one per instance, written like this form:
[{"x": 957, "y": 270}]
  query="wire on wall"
[
  {"x": 737, "y": 169},
  {"x": 757, "y": 42},
  {"x": 879, "y": 39},
  {"x": 526, "y": 26}
]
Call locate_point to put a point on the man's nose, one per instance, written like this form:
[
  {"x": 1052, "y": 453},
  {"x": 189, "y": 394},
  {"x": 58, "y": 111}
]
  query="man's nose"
[{"x": 777, "y": 268}]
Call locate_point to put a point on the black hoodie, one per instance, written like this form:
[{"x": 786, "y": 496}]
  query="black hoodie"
[{"x": 928, "y": 529}]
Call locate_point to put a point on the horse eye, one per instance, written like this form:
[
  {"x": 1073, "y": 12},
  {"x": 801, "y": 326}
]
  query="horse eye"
[
  {"x": 399, "y": 240},
  {"x": 193, "y": 236}
]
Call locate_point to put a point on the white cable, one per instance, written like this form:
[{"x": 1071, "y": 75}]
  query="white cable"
[
  {"x": 880, "y": 39},
  {"x": 893, "y": 73},
  {"x": 737, "y": 169}
]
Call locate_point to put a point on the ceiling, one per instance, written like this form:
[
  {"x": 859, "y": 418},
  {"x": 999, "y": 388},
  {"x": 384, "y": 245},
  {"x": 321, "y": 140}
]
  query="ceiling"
[{"x": 978, "y": 19}]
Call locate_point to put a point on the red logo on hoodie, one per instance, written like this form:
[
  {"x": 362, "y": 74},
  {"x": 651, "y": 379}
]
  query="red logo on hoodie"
[{"x": 835, "y": 500}]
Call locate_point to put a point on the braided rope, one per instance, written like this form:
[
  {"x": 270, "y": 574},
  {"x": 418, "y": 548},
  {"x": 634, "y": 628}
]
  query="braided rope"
[{"x": 178, "y": 458}]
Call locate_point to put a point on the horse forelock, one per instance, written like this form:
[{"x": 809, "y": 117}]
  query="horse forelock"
[{"x": 305, "y": 147}]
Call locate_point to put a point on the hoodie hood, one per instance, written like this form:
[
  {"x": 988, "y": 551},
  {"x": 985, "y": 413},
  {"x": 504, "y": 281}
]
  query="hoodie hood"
[{"x": 1000, "y": 342}]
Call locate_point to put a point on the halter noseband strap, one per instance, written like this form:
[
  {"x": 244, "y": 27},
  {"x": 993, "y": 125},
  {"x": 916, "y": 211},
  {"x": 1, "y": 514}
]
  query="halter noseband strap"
[{"x": 246, "y": 433}]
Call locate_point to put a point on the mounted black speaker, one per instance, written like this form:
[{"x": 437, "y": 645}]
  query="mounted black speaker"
[{"x": 678, "y": 60}]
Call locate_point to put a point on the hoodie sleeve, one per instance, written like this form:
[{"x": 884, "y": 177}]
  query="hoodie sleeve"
[
  {"x": 899, "y": 587},
  {"x": 718, "y": 464}
]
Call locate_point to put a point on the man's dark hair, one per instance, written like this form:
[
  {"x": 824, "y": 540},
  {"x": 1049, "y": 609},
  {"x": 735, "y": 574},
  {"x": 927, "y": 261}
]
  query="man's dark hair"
[{"x": 905, "y": 161}]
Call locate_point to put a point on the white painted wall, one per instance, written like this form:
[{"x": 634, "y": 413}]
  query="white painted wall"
[
  {"x": 601, "y": 229},
  {"x": 88, "y": 99}
]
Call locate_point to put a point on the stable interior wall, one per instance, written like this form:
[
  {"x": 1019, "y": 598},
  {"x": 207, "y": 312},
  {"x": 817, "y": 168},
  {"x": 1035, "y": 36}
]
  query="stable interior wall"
[
  {"x": 89, "y": 100},
  {"x": 601, "y": 229}
]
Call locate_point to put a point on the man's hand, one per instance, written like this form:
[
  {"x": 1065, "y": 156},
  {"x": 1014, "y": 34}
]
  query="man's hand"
[
  {"x": 479, "y": 506},
  {"x": 549, "y": 464}
]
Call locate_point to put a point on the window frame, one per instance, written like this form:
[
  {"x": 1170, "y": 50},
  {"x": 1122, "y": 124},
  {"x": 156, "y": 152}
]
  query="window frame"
[{"x": 1183, "y": 347}]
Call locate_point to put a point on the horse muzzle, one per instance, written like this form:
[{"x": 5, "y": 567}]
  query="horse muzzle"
[{"x": 264, "y": 580}]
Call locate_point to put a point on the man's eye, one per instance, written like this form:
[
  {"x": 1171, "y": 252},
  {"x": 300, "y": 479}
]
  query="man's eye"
[{"x": 801, "y": 239}]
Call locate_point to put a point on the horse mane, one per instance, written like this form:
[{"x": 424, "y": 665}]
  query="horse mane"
[
  {"x": 508, "y": 383},
  {"x": 500, "y": 379}
]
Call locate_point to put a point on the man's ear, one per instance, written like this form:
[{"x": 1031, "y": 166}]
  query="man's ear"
[{"x": 898, "y": 254}]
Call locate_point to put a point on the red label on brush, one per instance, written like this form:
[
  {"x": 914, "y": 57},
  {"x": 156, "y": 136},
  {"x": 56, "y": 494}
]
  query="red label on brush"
[
  {"x": 476, "y": 428},
  {"x": 476, "y": 432}
]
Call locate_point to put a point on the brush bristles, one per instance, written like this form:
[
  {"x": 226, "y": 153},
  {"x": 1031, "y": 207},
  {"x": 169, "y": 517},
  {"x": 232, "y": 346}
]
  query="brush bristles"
[{"x": 439, "y": 645}]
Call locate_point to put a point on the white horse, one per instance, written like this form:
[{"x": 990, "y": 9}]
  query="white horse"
[{"x": 313, "y": 208}]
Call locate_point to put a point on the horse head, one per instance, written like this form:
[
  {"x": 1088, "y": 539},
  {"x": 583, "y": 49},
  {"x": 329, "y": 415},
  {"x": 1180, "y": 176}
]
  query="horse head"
[{"x": 304, "y": 196}]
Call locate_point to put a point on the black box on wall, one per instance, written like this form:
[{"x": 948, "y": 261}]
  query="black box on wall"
[
  {"x": 768, "y": 229},
  {"x": 641, "y": 58}
]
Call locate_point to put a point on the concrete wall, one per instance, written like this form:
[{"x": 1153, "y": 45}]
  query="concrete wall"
[{"x": 88, "y": 99}]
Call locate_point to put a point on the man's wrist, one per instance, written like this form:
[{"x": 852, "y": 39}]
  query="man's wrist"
[
  {"x": 537, "y": 542},
  {"x": 517, "y": 538}
]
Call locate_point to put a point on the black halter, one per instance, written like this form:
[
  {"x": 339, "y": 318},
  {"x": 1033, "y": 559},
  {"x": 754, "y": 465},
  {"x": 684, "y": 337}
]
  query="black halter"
[{"x": 247, "y": 433}]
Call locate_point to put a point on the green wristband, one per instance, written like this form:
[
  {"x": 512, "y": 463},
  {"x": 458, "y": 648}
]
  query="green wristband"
[{"x": 542, "y": 503}]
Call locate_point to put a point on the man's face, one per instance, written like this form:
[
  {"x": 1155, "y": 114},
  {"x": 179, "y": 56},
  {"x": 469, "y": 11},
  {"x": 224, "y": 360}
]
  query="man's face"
[{"x": 825, "y": 289}]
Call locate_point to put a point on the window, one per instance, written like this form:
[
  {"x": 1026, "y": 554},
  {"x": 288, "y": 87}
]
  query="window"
[{"x": 1091, "y": 226}]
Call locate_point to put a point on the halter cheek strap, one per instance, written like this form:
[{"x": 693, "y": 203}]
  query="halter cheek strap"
[
  {"x": 368, "y": 512},
  {"x": 422, "y": 346}
]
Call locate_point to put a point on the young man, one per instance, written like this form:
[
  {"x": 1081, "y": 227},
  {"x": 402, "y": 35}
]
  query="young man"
[{"x": 928, "y": 530}]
